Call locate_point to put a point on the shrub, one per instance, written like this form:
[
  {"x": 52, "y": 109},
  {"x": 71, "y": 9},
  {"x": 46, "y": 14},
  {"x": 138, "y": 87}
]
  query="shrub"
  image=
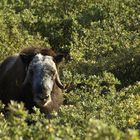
[{"x": 103, "y": 40}]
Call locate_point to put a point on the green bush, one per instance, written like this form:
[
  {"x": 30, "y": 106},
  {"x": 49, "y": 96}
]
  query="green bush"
[{"x": 103, "y": 38}]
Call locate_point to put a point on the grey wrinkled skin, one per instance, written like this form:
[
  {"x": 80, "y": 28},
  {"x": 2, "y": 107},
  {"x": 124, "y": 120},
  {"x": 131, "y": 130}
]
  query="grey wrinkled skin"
[{"x": 42, "y": 74}]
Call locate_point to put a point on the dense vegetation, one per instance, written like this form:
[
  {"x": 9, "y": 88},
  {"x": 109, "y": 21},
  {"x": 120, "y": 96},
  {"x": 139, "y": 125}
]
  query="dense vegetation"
[{"x": 103, "y": 38}]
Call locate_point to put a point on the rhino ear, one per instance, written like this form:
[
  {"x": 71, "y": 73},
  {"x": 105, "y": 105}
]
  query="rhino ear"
[
  {"x": 58, "y": 58},
  {"x": 26, "y": 58}
]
